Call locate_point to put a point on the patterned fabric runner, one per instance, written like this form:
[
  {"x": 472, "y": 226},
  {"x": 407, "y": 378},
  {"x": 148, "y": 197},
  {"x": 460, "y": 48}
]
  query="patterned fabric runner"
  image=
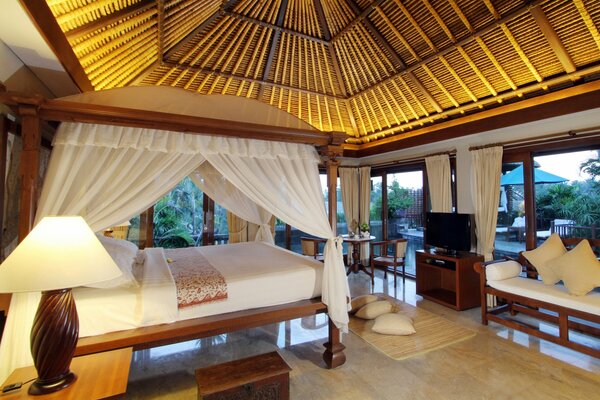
[{"x": 196, "y": 280}]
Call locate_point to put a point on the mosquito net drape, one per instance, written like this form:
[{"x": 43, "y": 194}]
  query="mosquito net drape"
[
  {"x": 211, "y": 182},
  {"x": 108, "y": 174},
  {"x": 284, "y": 179}
]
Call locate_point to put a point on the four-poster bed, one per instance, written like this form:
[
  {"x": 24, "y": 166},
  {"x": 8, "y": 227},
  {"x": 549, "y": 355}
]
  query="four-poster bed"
[{"x": 130, "y": 136}]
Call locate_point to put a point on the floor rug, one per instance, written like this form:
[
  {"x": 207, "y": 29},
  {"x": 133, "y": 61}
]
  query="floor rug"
[{"x": 432, "y": 333}]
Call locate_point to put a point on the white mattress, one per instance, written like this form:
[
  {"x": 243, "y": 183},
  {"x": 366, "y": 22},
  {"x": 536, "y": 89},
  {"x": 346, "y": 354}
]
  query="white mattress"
[
  {"x": 554, "y": 294},
  {"x": 257, "y": 275}
]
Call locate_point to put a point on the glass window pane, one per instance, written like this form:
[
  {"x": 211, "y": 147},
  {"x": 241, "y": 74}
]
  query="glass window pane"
[
  {"x": 510, "y": 228},
  {"x": 221, "y": 226},
  {"x": 405, "y": 212},
  {"x": 567, "y": 194},
  {"x": 375, "y": 211}
]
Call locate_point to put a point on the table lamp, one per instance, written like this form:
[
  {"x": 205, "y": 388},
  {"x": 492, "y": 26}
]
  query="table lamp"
[{"x": 58, "y": 254}]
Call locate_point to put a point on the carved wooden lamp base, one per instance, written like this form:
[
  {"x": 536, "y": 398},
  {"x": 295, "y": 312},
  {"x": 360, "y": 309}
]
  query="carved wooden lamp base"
[{"x": 53, "y": 340}]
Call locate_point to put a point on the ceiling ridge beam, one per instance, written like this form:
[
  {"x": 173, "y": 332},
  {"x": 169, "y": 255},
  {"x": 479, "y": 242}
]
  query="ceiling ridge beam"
[
  {"x": 224, "y": 7},
  {"x": 359, "y": 16},
  {"x": 481, "y": 103},
  {"x": 274, "y": 27},
  {"x": 46, "y": 23},
  {"x": 160, "y": 9},
  {"x": 474, "y": 36},
  {"x": 110, "y": 19},
  {"x": 275, "y": 36},
  {"x": 552, "y": 38},
  {"x": 174, "y": 65}
]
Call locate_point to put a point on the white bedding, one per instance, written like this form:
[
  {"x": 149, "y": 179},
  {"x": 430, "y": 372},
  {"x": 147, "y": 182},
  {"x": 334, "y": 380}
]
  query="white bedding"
[{"x": 257, "y": 275}]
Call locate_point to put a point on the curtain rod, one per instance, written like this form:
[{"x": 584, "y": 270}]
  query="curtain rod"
[
  {"x": 441, "y": 153},
  {"x": 413, "y": 160},
  {"x": 485, "y": 146},
  {"x": 569, "y": 135}
]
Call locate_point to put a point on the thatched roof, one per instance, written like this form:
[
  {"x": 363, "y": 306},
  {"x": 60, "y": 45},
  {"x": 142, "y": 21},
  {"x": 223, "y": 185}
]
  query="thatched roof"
[{"x": 371, "y": 69}]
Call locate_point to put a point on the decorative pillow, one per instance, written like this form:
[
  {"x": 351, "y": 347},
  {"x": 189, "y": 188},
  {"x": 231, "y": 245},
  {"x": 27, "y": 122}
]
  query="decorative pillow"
[
  {"x": 113, "y": 245},
  {"x": 503, "y": 270},
  {"x": 550, "y": 249},
  {"x": 360, "y": 301},
  {"x": 393, "y": 324},
  {"x": 579, "y": 269},
  {"x": 375, "y": 309}
]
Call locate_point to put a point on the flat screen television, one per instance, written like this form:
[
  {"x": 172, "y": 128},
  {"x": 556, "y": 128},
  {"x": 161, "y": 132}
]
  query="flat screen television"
[{"x": 449, "y": 232}]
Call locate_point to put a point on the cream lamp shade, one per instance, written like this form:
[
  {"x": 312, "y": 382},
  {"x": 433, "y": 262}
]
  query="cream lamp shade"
[{"x": 60, "y": 252}]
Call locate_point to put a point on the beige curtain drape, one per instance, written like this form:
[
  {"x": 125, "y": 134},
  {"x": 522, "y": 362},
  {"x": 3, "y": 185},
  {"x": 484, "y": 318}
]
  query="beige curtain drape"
[
  {"x": 241, "y": 230},
  {"x": 238, "y": 228},
  {"x": 440, "y": 182},
  {"x": 486, "y": 168},
  {"x": 365, "y": 205},
  {"x": 350, "y": 198}
]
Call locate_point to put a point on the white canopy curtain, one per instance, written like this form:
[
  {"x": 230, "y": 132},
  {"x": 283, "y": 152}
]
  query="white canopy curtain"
[
  {"x": 440, "y": 182},
  {"x": 211, "y": 182},
  {"x": 107, "y": 174},
  {"x": 284, "y": 179},
  {"x": 486, "y": 168}
]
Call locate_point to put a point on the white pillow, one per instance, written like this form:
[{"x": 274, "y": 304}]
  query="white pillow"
[
  {"x": 393, "y": 324},
  {"x": 375, "y": 309},
  {"x": 549, "y": 250},
  {"x": 359, "y": 301},
  {"x": 124, "y": 254},
  {"x": 579, "y": 269},
  {"x": 502, "y": 270}
]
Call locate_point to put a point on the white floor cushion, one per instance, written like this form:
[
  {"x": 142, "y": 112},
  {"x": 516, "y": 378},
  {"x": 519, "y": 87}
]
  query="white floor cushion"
[{"x": 393, "y": 324}]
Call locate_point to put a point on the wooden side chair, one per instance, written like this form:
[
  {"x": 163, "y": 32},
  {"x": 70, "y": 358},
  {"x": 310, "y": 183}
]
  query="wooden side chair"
[
  {"x": 385, "y": 260},
  {"x": 310, "y": 247}
]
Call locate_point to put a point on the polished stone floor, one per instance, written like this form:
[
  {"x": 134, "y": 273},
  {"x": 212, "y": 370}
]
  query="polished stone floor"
[{"x": 498, "y": 363}]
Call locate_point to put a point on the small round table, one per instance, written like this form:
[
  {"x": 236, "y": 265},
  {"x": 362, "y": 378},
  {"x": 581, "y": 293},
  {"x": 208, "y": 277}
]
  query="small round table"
[{"x": 356, "y": 265}]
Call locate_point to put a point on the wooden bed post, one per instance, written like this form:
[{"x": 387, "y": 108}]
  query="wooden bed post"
[
  {"x": 334, "y": 349},
  {"x": 332, "y": 153},
  {"x": 29, "y": 168}
]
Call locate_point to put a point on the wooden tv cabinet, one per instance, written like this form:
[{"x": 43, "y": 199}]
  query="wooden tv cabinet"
[{"x": 448, "y": 280}]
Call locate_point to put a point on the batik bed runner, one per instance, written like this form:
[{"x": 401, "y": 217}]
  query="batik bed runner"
[{"x": 196, "y": 280}]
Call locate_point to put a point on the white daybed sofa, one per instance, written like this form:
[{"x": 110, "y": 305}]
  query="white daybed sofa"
[{"x": 518, "y": 290}]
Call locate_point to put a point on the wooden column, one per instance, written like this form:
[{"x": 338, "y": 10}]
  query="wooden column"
[
  {"x": 384, "y": 206},
  {"x": 332, "y": 164},
  {"x": 147, "y": 228},
  {"x": 529, "y": 193},
  {"x": 4, "y": 122},
  {"x": 29, "y": 168},
  {"x": 208, "y": 230}
]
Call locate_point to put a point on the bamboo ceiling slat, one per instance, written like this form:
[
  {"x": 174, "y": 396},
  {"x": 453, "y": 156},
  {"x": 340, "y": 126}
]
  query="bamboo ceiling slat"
[
  {"x": 370, "y": 68},
  {"x": 573, "y": 32}
]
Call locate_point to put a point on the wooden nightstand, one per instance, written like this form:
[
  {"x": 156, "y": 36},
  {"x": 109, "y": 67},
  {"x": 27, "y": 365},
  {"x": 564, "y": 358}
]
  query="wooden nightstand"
[{"x": 99, "y": 376}]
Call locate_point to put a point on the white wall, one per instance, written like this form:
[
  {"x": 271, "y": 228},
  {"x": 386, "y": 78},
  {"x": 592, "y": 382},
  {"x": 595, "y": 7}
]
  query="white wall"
[
  {"x": 9, "y": 62},
  {"x": 576, "y": 121}
]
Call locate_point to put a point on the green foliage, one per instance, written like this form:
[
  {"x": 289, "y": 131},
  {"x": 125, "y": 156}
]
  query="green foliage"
[
  {"x": 399, "y": 199},
  {"x": 592, "y": 167},
  {"x": 579, "y": 202},
  {"x": 551, "y": 200},
  {"x": 178, "y": 216}
]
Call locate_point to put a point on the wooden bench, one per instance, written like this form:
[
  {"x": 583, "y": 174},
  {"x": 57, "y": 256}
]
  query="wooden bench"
[
  {"x": 566, "y": 319},
  {"x": 265, "y": 376}
]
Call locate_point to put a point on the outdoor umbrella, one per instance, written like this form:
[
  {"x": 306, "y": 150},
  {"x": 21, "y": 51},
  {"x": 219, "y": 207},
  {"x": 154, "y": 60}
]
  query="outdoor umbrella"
[{"x": 515, "y": 177}]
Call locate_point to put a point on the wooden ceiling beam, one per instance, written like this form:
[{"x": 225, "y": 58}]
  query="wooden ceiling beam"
[
  {"x": 110, "y": 19},
  {"x": 160, "y": 32},
  {"x": 474, "y": 36},
  {"x": 552, "y": 38},
  {"x": 358, "y": 17},
  {"x": 537, "y": 86},
  {"x": 396, "y": 60},
  {"x": 275, "y": 36},
  {"x": 42, "y": 17},
  {"x": 226, "y": 6},
  {"x": 175, "y": 66},
  {"x": 589, "y": 22},
  {"x": 274, "y": 27},
  {"x": 574, "y": 99}
]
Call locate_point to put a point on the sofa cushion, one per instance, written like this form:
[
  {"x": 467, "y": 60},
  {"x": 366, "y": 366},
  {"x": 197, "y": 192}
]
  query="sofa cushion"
[
  {"x": 555, "y": 294},
  {"x": 502, "y": 270},
  {"x": 539, "y": 257},
  {"x": 579, "y": 269}
]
